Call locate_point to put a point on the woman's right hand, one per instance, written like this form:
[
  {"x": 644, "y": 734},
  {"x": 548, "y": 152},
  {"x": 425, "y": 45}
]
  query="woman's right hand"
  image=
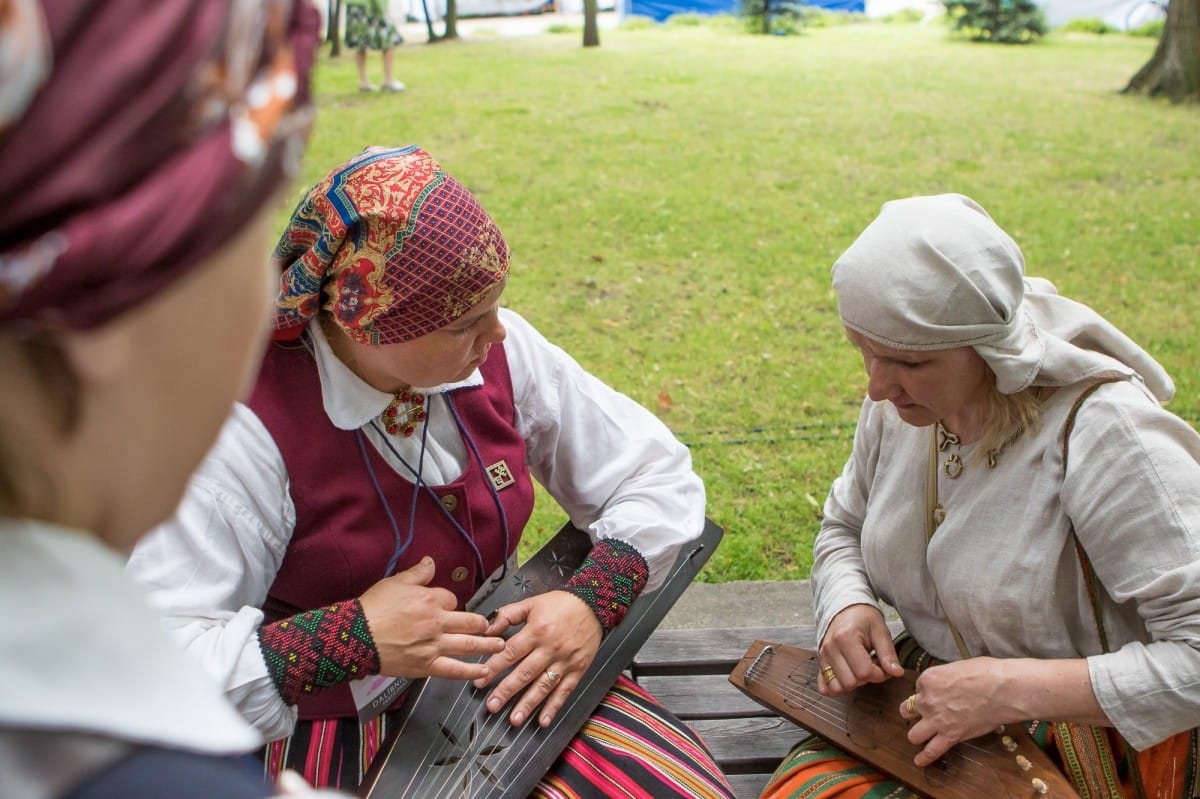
[
  {"x": 419, "y": 633},
  {"x": 858, "y": 647}
]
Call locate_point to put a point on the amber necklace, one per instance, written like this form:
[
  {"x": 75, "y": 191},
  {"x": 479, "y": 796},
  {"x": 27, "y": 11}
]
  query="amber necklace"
[{"x": 404, "y": 412}]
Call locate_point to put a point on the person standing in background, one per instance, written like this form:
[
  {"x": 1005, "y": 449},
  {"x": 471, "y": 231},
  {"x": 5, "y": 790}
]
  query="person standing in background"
[{"x": 369, "y": 27}]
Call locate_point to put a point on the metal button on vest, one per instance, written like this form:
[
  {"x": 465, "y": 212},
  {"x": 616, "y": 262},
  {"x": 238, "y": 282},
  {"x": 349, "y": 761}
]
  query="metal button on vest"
[
  {"x": 450, "y": 502},
  {"x": 459, "y": 574}
]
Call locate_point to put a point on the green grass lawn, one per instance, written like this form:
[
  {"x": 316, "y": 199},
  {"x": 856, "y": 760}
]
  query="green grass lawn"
[{"x": 675, "y": 198}]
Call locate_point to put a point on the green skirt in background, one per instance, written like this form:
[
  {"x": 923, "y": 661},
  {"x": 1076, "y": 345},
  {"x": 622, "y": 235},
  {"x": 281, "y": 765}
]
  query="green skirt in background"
[{"x": 365, "y": 31}]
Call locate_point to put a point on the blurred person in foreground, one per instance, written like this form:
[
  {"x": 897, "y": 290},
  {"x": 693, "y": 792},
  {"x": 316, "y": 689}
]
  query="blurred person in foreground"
[
  {"x": 142, "y": 149},
  {"x": 1019, "y": 494}
]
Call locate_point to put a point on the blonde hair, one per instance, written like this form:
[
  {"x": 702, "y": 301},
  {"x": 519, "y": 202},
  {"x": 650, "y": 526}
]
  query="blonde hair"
[{"x": 1007, "y": 417}]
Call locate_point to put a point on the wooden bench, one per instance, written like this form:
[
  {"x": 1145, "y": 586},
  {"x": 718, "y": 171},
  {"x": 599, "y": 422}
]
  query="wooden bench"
[{"x": 688, "y": 671}]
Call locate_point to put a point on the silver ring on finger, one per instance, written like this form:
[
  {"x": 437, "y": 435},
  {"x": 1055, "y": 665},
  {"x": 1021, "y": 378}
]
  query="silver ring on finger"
[{"x": 552, "y": 677}]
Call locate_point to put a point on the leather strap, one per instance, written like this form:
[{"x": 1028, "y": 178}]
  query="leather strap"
[
  {"x": 1087, "y": 753},
  {"x": 931, "y": 523}
]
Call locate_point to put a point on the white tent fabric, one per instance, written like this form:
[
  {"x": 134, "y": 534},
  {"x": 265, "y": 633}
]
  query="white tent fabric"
[{"x": 1119, "y": 14}]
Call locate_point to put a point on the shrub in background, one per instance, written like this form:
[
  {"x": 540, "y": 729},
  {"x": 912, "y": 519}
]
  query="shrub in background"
[
  {"x": 824, "y": 18},
  {"x": 905, "y": 16},
  {"x": 637, "y": 22},
  {"x": 1152, "y": 30},
  {"x": 777, "y": 17},
  {"x": 686, "y": 19},
  {"x": 1003, "y": 21},
  {"x": 1086, "y": 25}
]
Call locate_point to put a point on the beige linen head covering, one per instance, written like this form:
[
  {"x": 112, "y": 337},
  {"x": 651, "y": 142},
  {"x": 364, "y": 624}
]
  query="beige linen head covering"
[{"x": 933, "y": 273}]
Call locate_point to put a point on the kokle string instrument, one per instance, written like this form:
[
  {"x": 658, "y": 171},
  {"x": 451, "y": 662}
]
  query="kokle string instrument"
[
  {"x": 867, "y": 724},
  {"x": 447, "y": 744}
]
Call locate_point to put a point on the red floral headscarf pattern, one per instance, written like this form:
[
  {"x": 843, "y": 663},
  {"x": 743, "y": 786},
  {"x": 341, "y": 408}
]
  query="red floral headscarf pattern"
[{"x": 391, "y": 246}]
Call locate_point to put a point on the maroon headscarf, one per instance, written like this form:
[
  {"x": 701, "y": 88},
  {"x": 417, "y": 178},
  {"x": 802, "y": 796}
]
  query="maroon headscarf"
[{"x": 137, "y": 138}]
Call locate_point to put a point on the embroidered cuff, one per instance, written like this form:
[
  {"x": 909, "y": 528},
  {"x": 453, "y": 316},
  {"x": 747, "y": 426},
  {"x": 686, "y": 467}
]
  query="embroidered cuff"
[
  {"x": 318, "y": 649},
  {"x": 611, "y": 577}
]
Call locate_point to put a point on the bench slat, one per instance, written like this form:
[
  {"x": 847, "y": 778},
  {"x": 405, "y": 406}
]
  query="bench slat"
[
  {"x": 709, "y": 651},
  {"x": 748, "y": 786},
  {"x": 748, "y": 745},
  {"x": 687, "y": 670},
  {"x": 702, "y": 696}
]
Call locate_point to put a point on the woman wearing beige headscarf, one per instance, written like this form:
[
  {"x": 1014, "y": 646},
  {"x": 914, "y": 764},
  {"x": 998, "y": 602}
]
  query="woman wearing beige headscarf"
[
  {"x": 141, "y": 145},
  {"x": 957, "y": 509}
]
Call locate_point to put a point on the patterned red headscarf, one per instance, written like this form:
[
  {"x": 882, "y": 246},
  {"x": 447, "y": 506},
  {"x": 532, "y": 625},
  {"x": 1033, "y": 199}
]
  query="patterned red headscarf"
[
  {"x": 137, "y": 137},
  {"x": 391, "y": 246}
]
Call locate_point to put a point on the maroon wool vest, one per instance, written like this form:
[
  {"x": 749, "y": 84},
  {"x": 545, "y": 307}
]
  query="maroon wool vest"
[{"x": 343, "y": 540}]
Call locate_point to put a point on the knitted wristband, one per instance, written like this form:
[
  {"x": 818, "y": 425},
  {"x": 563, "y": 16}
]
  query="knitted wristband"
[
  {"x": 611, "y": 577},
  {"x": 318, "y": 649}
]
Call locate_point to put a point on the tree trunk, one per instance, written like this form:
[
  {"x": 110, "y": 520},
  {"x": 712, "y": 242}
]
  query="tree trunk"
[
  {"x": 428, "y": 22},
  {"x": 333, "y": 28},
  {"x": 591, "y": 27},
  {"x": 1174, "y": 69},
  {"x": 451, "y": 20}
]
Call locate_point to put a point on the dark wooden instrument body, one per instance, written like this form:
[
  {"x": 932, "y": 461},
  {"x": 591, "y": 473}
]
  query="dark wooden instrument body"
[
  {"x": 449, "y": 745},
  {"x": 867, "y": 724}
]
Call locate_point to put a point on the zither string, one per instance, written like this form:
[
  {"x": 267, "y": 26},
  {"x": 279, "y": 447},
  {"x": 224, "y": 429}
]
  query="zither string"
[
  {"x": 495, "y": 727},
  {"x": 796, "y": 690}
]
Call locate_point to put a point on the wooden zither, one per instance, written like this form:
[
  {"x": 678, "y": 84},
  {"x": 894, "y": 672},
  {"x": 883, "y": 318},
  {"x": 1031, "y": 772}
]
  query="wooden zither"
[
  {"x": 866, "y": 723},
  {"x": 448, "y": 745}
]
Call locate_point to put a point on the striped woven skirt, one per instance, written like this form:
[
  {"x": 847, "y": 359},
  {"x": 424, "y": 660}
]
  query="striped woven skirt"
[
  {"x": 815, "y": 769},
  {"x": 630, "y": 747}
]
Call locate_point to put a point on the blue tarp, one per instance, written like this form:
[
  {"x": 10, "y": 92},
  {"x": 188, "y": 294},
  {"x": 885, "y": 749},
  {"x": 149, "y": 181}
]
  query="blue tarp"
[{"x": 659, "y": 10}]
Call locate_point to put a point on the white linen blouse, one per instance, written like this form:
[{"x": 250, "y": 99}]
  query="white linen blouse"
[
  {"x": 88, "y": 671},
  {"x": 1003, "y": 566},
  {"x": 615, "y": 468}
]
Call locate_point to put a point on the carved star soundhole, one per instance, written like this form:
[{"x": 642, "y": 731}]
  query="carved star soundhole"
[
  {"x": 559, "y": 564},
  {"x": 470, "y": 751}
]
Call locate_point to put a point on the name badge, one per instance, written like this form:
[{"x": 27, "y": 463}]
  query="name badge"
[{"x": 373, "y": 695}]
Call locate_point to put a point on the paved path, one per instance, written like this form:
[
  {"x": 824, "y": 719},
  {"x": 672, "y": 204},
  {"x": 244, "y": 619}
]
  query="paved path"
[{"x": 415, "y": 33}]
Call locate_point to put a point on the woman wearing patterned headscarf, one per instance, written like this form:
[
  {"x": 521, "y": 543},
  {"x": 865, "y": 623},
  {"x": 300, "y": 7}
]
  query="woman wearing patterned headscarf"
[
  {"x": 134, "y": 260},
  {"x": 383, "y": 471},
  {"x": 1017, "y": 492}
]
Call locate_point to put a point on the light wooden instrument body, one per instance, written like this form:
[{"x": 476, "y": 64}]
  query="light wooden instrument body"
[
  {"x": 448, "y": 745},
  {"x": 867, "y": 724}
]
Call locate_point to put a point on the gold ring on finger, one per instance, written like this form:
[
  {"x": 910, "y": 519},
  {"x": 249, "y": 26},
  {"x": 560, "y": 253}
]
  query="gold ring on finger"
[
  {"x": 910, "y": 705},
  {"x": 828, "y": 673}
]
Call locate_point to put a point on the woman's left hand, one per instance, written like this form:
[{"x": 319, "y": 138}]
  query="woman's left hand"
[
  {"x": 954, "y": 702},
  {"x": 967, "y": 698},
  {"x": 548, "y": 656}
]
